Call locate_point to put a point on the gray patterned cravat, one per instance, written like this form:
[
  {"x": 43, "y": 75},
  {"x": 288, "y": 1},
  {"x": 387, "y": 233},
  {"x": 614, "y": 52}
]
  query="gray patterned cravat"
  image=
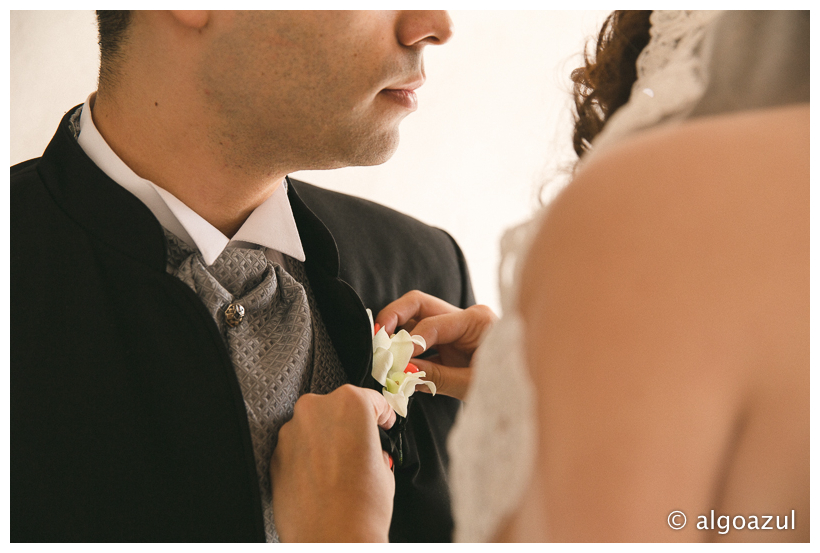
[{"x": 274, "y": 344}]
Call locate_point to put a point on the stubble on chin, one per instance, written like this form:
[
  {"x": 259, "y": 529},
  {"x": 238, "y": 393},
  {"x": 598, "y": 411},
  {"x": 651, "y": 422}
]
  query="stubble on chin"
[
  {"x": 369, "y": 148},
  {"x": 266, "y": 120},
  {"x": 255, "y": 152},
  {"x": 262, "y": 132}
]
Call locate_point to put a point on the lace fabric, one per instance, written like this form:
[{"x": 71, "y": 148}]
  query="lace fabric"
[
  {"x": 493, "y": 443},
  {"x": 672, "y": 75}
]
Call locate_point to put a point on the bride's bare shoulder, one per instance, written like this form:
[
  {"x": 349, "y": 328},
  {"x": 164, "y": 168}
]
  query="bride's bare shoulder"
[
  {"x": 715, "y": 209},
  {"x": 665, "y": 298},
  {"x": 678, "y": 196},
  {"x": 757, "y": 154}
]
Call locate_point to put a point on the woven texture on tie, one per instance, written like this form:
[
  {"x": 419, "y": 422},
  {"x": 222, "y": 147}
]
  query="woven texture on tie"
[
  {"x": 280, "y": 349},
  {"x": 328, "y": 372}
]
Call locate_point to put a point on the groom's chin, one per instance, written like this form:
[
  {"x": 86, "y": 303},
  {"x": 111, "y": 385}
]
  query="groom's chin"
[
  {"x": 354, "y": 150},
  {"x": 376, "y": 150}
]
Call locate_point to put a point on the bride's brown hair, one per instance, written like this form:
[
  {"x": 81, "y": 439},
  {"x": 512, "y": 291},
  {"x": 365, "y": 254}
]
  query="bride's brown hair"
[{"x": 605, "y": 81}]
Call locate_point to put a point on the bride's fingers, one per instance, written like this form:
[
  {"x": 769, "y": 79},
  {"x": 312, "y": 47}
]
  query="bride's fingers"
[
  {"x": 413, "y": 305},
  {"x": 450, "y": 381},
  {"x": 408, "y": 326},
  {"x": 464, "y": 329}
]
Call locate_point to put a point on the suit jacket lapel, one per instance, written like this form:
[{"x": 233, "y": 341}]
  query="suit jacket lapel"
[{"x": 343, "y": 312}]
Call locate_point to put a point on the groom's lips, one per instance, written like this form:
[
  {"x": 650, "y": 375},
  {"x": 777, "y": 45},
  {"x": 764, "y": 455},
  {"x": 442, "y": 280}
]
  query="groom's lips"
[{"x": 404, "y": 94}]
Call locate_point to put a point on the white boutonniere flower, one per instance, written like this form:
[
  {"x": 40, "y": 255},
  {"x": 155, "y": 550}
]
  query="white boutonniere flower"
[{"x": 392, "y": 367}]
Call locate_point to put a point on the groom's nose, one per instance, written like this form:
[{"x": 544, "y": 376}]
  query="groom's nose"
[{"x": 416, "y": 28}]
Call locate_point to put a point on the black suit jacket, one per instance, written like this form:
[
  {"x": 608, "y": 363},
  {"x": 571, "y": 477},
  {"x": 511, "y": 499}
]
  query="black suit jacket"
[{"x": 127, "y": 420}]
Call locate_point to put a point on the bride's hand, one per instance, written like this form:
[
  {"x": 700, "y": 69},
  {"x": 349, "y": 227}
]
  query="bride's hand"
[
  {"x": 455, "y": 333},
  {"x": 330, "y": 478}
]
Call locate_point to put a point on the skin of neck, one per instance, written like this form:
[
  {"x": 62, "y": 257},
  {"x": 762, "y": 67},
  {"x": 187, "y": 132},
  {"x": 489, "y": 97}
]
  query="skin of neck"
[{"x": 157, "y": 118}]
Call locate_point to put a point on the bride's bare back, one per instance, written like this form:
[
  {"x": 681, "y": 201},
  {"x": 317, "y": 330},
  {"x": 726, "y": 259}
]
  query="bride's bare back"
[{"x": 666, "y": 302}]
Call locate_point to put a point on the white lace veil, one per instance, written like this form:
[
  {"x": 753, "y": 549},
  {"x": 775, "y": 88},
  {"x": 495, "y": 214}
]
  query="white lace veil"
[
  {"x": 708, "y": 62},
  {"x": 671, "y": 75}
]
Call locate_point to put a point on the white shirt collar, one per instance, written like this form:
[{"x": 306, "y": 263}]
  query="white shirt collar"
[{"x": 271, "y": 225}]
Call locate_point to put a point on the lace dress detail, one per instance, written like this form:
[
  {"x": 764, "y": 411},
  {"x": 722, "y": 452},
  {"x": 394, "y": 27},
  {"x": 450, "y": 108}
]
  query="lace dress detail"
[{"x": 493, "y": 443}]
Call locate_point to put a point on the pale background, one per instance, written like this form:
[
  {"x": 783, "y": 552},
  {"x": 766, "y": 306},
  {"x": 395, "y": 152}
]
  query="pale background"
[{"x": 493, "y": 123}]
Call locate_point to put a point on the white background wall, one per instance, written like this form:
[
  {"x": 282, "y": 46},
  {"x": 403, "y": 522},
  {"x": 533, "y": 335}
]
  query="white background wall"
[{"x": 493, "y": 122}]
